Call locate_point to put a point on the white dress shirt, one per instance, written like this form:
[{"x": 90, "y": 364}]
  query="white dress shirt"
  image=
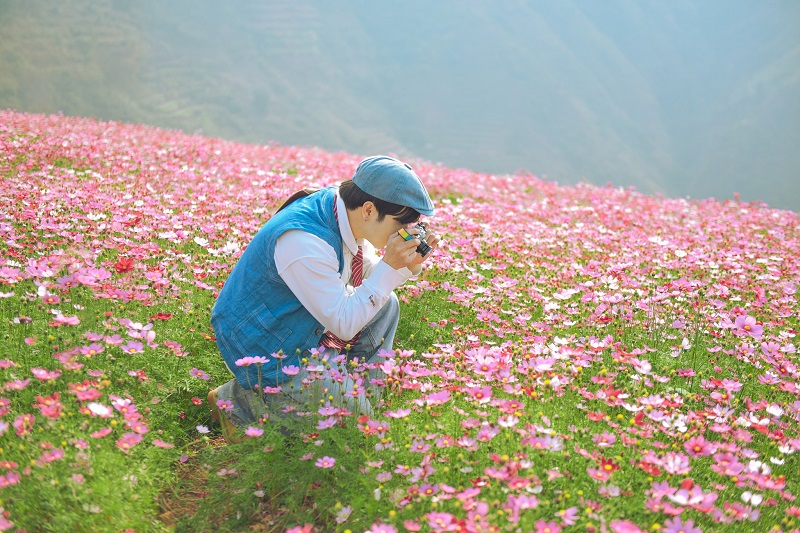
[{"x": 309, "y": 267}]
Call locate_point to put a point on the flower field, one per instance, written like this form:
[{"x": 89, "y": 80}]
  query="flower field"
[{"x": 571, "y": 359}]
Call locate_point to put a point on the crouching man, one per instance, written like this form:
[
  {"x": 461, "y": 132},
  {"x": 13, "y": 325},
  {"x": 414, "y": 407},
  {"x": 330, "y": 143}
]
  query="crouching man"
[{"x": 309, "y": 306}]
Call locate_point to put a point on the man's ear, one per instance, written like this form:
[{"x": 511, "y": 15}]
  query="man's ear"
[{"x": 367, "y": 210}]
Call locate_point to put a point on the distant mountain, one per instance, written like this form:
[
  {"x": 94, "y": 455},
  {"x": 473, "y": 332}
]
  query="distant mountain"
[{"x": 684, "y": 97}]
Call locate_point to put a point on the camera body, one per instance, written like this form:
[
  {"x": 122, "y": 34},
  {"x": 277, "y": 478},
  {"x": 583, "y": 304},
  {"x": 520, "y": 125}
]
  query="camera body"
[{"x": 424, "y": 248}]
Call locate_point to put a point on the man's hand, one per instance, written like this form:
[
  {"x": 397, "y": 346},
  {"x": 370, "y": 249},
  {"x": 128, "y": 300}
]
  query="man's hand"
[{"x": 402, "y": 253}]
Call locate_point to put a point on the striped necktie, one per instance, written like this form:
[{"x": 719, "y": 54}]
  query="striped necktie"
[{"x": 330, "y": 340}]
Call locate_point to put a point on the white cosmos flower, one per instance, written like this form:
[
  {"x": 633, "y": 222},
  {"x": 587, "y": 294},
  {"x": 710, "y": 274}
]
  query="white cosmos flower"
[
  {"x": 775, "y": 410},
  {"x": 753, "y": 499},
  {"x": 98, "y": 409}
]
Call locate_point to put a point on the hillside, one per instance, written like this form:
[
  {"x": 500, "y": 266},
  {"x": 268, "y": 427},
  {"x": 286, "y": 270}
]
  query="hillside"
[
  {"x": 685, "y": 99},
  {"x": 570, "y": 358}
]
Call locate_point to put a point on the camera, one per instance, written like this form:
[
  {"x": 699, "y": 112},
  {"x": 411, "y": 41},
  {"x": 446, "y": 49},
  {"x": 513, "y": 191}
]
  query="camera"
[{"x": 423, "y": 249}]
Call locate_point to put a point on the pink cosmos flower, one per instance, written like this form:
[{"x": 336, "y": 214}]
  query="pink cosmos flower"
[
  {"x": 92, "y": 349},
  {"x": 61, "y": 320},
  {"x": 291, "y": 370},
  {"x": 254, "y": 432},
  {"x": 568, "y": 516},
  {"x": 676, "y": 525},
  {"x": 199, "y": 374},
  {"x": 624, "y": 526},
  {"x": 5, "y": 524},
  {"x": 23, "y": 424},
  {"x": 45, "y": 375},
  {"x": 400, "y": 413},
  {"x": 100, "y": 433},
  {"x": 438, "y": 398},
  {"x": 17, "y": 384},
  {"x": 325, "y": 462},
  {"x": 128, "y": 441},
  {"x": 598, "y": 474},
  {"x": 138, "y": 427},
  {"x": 420, "y": 446},
  {"x": 698, "y": 446},
  {"x": 605, "y": 440},
  {"x": 326, "y": 423},
  {"x": 747, "y": 325},
  {"x": 113, "y": 340},
  {"x": 225, "y": 405},
  {"x": 307, "y": 528},
  {"x": 48, "y": 456},
  {"x": 380, "y": 527},
  {"x": 547, "y": 527},
  {"x": 441, "y": 521},
  {"x": 133, "y": 347},
  {"x": 12, "y": 478},
  {"x": 676, "y": 463}
]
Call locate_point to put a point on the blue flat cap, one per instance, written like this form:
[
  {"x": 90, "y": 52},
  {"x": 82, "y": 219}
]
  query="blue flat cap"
[{"x": 393, "y": 181}]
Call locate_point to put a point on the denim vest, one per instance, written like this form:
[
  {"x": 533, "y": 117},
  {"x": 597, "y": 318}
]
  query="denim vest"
[{"x": 256, "y": 313}]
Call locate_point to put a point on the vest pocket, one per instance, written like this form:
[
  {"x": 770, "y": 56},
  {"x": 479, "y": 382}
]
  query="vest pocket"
[{"x": 260, "y": 330}]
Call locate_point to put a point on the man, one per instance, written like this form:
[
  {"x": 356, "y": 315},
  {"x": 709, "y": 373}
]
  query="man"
[{"x": 309, "y": 300}]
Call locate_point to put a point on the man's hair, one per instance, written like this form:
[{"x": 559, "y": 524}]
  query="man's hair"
[{"x": 354, "y": 198}]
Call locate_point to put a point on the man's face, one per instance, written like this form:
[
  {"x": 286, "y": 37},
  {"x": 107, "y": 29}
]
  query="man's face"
[{"x": 378, "y": 232}]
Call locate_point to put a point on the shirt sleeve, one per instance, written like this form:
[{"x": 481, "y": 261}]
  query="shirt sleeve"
[{"x": 309, "y": 267}]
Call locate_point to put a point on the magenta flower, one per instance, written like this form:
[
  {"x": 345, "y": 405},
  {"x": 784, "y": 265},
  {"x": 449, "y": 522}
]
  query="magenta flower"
[{"x": 325, "y": 462}]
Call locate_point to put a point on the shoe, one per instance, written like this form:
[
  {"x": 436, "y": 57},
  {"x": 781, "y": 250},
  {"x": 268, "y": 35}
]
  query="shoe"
[{"x": 229, "y": 430}]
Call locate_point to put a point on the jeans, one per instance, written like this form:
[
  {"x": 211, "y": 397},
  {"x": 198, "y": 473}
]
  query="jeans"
[{"x": 353, "y": 379}]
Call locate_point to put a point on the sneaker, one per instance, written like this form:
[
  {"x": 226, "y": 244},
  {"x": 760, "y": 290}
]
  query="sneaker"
[{"x": 229, "y": 430}]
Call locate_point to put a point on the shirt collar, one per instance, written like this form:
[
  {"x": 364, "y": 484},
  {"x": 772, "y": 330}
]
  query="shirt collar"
[{"x": 344, "y": 226}]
